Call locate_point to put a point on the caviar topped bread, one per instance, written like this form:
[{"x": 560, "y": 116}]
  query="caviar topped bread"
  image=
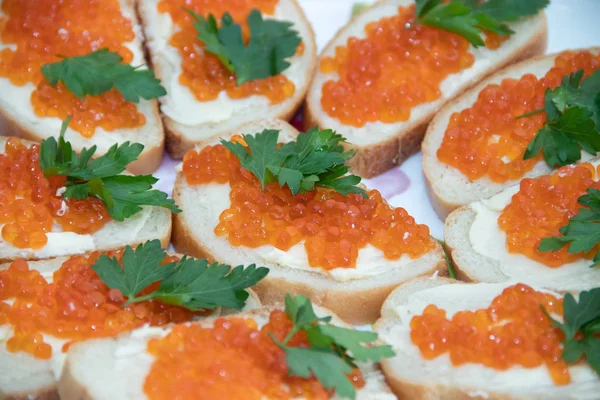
[
  {"x": 47, "y": 306},
  {"x": 383, "y": 77},
  {"x": 227, "y": 358},
  {"x": 206, "y": 95},
  {"x": 475, "y": 147},
  {"x": 38, "y": 34},
  {"x": 540, "y": 232},
  {"x": 344, "y": 251}
]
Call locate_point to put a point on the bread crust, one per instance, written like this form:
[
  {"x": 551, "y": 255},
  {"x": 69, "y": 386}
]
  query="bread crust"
[{"x": 374, "y": 159}]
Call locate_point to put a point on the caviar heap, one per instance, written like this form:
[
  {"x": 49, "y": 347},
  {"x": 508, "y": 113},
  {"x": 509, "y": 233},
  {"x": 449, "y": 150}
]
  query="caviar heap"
[
  {"x": 233, "y": 359},
  {"x": 512, "y": 331},
  {"x": 42, "y": 30},
  {"x": 73, "y": 304},
  {"x": 392, "y": 69},
  {"x": 487, "y": 140},
  {"x": 541, "y": 207},
  {"x": 333, "y": 227},
  {"x": 202, "y": 72},
  {"x": 30, "y": 204}
]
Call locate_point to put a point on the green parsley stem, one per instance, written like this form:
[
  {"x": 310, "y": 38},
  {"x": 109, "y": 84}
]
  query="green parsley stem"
[
  {"x": 531, "y": 113},
  {"x": 294, "y": 330},
  {"x": 131, "y": 301}
]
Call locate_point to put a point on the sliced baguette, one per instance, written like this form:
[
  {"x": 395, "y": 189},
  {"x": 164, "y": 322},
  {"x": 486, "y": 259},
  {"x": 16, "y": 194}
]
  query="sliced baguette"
[
  {"x": 381, "y": 146},
  {"x": 356, "y": 299},
  {"x": 448, "y": 187},
  {"x": 23, "y": 376},
  {"x": 105, "y": 369},
  {"x": 412, "y": 377},
  {"x": 150, "y": 223},
  {"x": 189, "y": 122},
  {"x": 17, "y": 117}
]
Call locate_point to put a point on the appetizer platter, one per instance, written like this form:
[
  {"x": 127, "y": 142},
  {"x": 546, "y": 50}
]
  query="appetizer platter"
[{"x": 298, "y": 199}]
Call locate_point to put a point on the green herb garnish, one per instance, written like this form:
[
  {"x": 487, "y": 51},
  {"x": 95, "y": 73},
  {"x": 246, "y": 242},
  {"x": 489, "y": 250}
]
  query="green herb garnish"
[
  {"x": 333, "y": 350},
  {"x": 271, "y": 43},
  {"x": 123, "y": 195},
  {"x": 315, "y": 158},
  {"x": 468, "y": 18},
  {"x": 99, "y": 72},
  {"x": 357, "y": 8},
  {"x": 190, "y": 283}
]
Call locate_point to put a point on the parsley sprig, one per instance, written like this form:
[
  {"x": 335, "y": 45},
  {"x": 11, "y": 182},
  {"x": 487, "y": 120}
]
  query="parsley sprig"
[
  {"x": 581, "y": 328},
  {"x": 469, "y": 18},
  {"x": 573, "y": 112},
  {"x": 100, "y": 71},
  {"x": 271, "y": 43},
  {"x": 190, "y": 283},
  {"x": 315, "y": 158},
  {"x": 333, "y": 350},
  {"x": 582, "y": 233},
  {"x": 86, "y": 177}
]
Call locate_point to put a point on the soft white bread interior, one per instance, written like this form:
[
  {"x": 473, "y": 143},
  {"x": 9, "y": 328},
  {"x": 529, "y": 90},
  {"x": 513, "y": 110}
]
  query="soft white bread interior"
[
  {"x": 150, "y": 223},
  {"x": 381, "y": 146},
  {"x": 355, "y": 294},
  {"x": 23, "y": 376},
  {"x": 478, "y": 250},
  {"x": 413, "y": 377},
  {"x": 17, "y": 117},
  {"x": 105, "y": 369},
  {"x": 448, "y": 187},
  {"x": 188, "y": 121}
]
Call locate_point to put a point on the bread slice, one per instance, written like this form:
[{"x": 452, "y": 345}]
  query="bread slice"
[
  {"x": 477, "y": 248},
  {"x": 150, "y": 223},
  {"x": 17, "y": 117},
  {"x": 356, "y": 299},
  {"x": 23, "y": 376},
  {"x": 448, "y": 187},
  {"x": 381, "y": 146},
  {"x": 413, "y": 377},
  {"x": 189, "y": 122},
  {"x": 105, "y": 369}
]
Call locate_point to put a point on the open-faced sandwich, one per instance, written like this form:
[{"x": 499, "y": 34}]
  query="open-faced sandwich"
[
  {"x": 48, "y": 306},
  {"x": 520, "y": 122},
  {"x": 225, "y": 63},
  {"x": 383, "y": 76},
  {"x": 284, "y": 200},
  {"x": 292, "y": 352},
  {"x": 496, "y": 341},
  {"x": 54, "y": 202},
  {"x": 84, "y": 59}
]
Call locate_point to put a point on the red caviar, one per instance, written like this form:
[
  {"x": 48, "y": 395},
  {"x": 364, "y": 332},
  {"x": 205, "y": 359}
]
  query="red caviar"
[
  {"x": 512, "y": 331},
  {"x": 42, "y": 31},
  {"x": 202, "y": 72},
  {"x": 75, "y": 305},
  {"x": 29, "y": 204},
  {"x": 541, "y": 207},
  {"x": 333, "y": 227},
  {"x": 234, "y": 359},
  {"x": 487, "y": 140}
]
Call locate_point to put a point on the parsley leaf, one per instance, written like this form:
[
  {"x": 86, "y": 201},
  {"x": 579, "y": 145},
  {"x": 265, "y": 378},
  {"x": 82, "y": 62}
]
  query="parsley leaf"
[
  {"x": 86, "y": 177},
  {"x": 271, "y": 43},
  {"x": 333, "y": 349},
  {"x": 190, "y": 283},
  {"x": 316, "y": 158},
  {"x": 98, "y": 72}
]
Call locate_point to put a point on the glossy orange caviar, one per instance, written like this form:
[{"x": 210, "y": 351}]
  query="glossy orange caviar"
[
  {"x": 487, "y": 140},
  {"x": 231, "y": 360},
  {"x": 29, "y": 204},
  {"x": 512, "y": 331},
  {"x": 75, "y": 305},
  {"x": 42, "y": 31},
  {"x": 333, "y": 227},
  {"x": 390, "y": 71},
  {"x": 203, "y": 73},
  {"x": 541, "y": 207}
]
